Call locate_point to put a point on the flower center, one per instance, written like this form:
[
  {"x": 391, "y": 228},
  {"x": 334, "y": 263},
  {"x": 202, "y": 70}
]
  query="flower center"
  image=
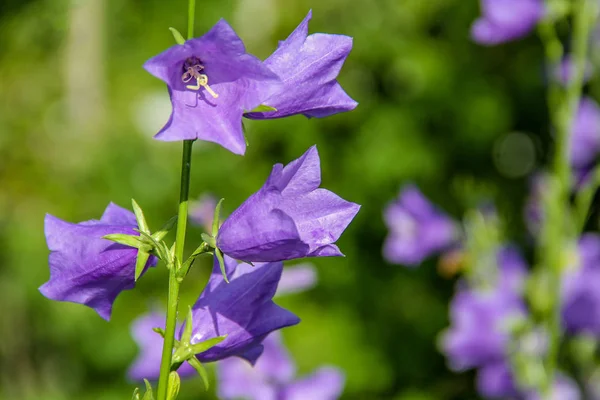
[{"x": 192, "y": 68}]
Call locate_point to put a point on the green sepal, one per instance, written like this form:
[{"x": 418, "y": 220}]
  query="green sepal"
[
  {"x": 148, "y": 395},
  {"x": 162, "y": 232},
  {"x": 177, "y": 36},
  {"x": 140, "y": 263},
  {"x": 139, "y": 216},
  {"x": 173, "y": 386},
  {"x": 263, "y": 108},
  {"x": 209, "y": 240},
  {"x": 186, "y": 335},
  {"x": 160, "y": 331},
  {"x": 194, "y": 362},
  {"x": 216, "y": 216},
  {"x": 127, "y": 240},
  {"x": 221, "y": 264},
  {"x": 202, "y": 249},
  {"x": 207, "y": 344},
  {"x": 136, "y": 394}
]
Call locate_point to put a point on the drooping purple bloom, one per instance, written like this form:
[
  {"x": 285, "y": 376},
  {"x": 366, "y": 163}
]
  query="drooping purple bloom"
[
  {"x": 272, "y": 377},
  {"x": 585, "y": 136},
  {"x": 202, "y": 211},
  {"x": 212, "y": 81},
  {"x": 417, "y": 229},
  {"x": 481, "y": 317},
  {"x": 84, "y": 267},
  {"x": 289, "y": 217},
  {"x": 581, "y": 289},
  {"x": 242, "y": 309},
  {"x": 297, "y": 278},
  {"x": 506, "y": 20},
  {"x": 308, "y": 66}
]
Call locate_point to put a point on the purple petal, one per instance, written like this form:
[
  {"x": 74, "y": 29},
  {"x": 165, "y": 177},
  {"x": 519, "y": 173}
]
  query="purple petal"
[
  {"x": 117, "y": 215},
  {"x": 239, "y": 380},
  {"x": 585, "y": 134},
  {"x": 496, "y": 381},
  {"x": 147, "y": 363},
  {"x": 296, "y": 279},
  {"x": 308, "y": 68},
  {"x": 243, "y": 310},
  {"x": 202, "y": 211},
  {"x": 289, "y": 217},
  {"x": 84, "y": 267},
  {"x": 327, "y": 383}
]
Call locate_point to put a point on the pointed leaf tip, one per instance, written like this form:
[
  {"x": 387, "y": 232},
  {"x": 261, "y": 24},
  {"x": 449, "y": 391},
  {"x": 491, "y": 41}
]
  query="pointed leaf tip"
[
  {"x": 140, "y": 263},
  {"x": 139, "y": 216},
  {"x": 221, "y": 264},
  {"x": 177, "y": 36},
  {"x": 173, "y": 385},
  {"x": 194, "y": 362},
  {"x": 263, "y": 108},
  {"x": 216, "y": 217}
]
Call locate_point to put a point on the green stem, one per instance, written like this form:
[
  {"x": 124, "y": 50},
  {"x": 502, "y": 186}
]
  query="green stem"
[
  {"x": 558, "y": 230},
  {"x": 173, "y": 297},
  {"x": 191, "y": 14}
]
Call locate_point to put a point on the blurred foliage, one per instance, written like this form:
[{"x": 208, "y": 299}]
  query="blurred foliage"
[{"x": 77, "y": 114}]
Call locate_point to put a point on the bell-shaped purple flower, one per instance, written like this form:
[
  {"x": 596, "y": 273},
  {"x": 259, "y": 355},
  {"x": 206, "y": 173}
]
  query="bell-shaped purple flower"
[
  {"x": 272, "y": 377},
  {"x": 308, "y": 66},
  {"x": 84, "y": 267},
  {"x": 506, "y": 20},
  {"x": 481, "y": 318},
  {"x": 581, "y": 289},
  {"x": 417, "y": 229},
  {"x": 212, "y": 81},
  {"x": 585, "y": 135},
  {"x": 242, "y": 309},
  {"x": 289, "y": 217}
]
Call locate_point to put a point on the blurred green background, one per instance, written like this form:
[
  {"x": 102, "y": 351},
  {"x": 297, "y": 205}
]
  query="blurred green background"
[{"x": 77, "y": 115}]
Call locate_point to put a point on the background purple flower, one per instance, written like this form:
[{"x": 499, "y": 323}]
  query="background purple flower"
[
  {"x": 240, "y": 80},
  {"x": 296, "y": 279},
  {"x": 585, "y": 135},
  {"x": 242, "y": 309},
  {"x": 308, "y": 66},
  {"x": 417, "y": 229},
  {"x": 272, "y": 377},
  {"x": 84, "y": 267},
  {"x": 289, "y": 217},
  {"x": 505, "y": 20},
  {"x": 565, "y": 71},
  {"x": 202, "y": 211}
]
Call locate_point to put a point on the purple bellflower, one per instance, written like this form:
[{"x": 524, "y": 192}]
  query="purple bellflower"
[
  {"x": 289, "y": 217},
  {"x": 242, "y": 309},
  {"x": 308, "y": 66},
  {"x": 585, "y": 137},
  {"x": 202, "y": 211},
  {"x": 417, "y": 229},
  {"x": 481, "y": 318},
  {"x": 506, "y": 20},
  {"x": 212, "y": 81},
  {"x": 297, "y": 278},
  {"x": 581, "y": 289},
  {"x": 272, "y": 377},
  {"x": 84, "y": 267}
]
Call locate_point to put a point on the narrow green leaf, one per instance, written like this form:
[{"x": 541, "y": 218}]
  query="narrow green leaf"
[
  {"x": 221, "y": 264},
  {"x": 177, "y": 36},
  {"x": 186, "y": 336},
  {"x": 160, "y": 331},
  {"x": 215, "y": 226},
  {"x": 140, "y": 263},
  {"x": 127, "y": 240},
  {"x": 194, "y": 362},
  {"x": 173, "y": 385},
  {"x": 148, "y": 395},
  {"x": 209, "y": 240},
  {"x": 207, "y": 344},
  {"x": 263, "y": 108},
  {"x": 139, "y": 216},
  {"x": 136, "y": 394},
  {"x": 162, "y": 232}
]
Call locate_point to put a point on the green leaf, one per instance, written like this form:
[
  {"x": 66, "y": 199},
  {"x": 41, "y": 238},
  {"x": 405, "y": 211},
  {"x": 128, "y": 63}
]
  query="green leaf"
[
  {"x": 140, "y": 263},
  {"x": 127, "y": 240},
  {"x": 263, "y": 108},
  {"x": 160, "y": 331},
  {"x": 178, "y": 36},
  {"x": 209, "y": 240},
  {"x": 207, "y": 344},
  {"x": 139, "y": 216},
  {"x": 148, "y": 395},
  {"x": 173, "y": 385},
  {"x": 162, "y": 232},
  {"x": 194, "y": 362},
  {"x": 136, "y": 394},
  {"x": 221, "y": 264},
  {"x": 186, "y": 336},
  {"x": 215, "y": 226}
]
